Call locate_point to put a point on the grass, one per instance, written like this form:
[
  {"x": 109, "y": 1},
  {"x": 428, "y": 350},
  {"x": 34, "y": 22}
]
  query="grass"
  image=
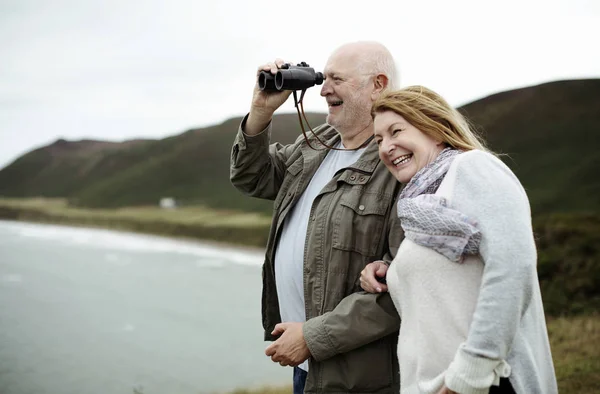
[
  {"x": 187, "y": 215},
  {"x": 575, "y": 343},
  {"x": 241, "y": 228},
  {"x": 569, "y": 263}
]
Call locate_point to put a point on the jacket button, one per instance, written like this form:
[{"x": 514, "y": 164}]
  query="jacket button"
[
  {"x": 353, "y": 177},
  {"x": 362, "y": 178},
  {"x": 361, "y": 207}
]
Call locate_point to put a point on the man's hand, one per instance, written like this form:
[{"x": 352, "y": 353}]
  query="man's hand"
[
  {"x": 264, "y": 104},
  {"x": 446, "y": 390},
  {"x": 369, "y": 275},
  {"x": 290, "y": 348}
]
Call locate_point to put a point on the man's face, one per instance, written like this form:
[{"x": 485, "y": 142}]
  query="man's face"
[{"x": 347, "y": 92}]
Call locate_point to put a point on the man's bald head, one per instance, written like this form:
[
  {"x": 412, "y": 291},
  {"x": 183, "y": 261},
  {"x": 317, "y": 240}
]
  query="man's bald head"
[{"x": 370, "y": 58}]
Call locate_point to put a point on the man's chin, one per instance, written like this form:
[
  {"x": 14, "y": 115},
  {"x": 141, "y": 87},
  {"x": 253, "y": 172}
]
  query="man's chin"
[{"x": 330, "y": 120}]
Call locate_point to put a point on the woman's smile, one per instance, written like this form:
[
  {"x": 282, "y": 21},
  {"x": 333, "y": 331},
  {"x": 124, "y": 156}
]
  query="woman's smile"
[{"x": 402, "y": 160}]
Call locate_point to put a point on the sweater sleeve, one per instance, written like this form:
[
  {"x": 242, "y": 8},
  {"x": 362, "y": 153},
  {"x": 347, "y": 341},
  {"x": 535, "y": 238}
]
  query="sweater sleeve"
[{"x": 485, "y": 189}]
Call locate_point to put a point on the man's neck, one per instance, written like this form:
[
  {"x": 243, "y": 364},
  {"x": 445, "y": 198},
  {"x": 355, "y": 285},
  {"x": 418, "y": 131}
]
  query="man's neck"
[{"x": 358, "y": 138}]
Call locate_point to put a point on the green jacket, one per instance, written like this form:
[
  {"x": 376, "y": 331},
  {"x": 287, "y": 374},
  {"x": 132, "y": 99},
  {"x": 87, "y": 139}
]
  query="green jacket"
[{"x": 351, "y": 334}]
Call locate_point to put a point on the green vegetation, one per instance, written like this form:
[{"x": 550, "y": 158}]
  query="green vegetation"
[
  {"x": 240, "y": 228},
  {"x": 569, "y": 263},
  {"x": 549, "y": 133},
  {"x": 192, "y": 167},
  {"x": 575, "y": 344}
]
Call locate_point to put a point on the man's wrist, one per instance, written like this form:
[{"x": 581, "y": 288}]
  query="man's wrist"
[{"x": 257, "y": 121}]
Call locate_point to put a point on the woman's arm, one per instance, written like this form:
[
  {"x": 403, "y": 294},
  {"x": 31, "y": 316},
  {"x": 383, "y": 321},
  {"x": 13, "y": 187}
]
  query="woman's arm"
[{"x": 486, "y": 190}]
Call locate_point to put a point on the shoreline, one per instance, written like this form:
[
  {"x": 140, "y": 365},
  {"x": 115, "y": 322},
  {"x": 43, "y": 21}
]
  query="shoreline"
[
  {"x": 191, "y": 240},
  {"x": 235, "y": 230}
]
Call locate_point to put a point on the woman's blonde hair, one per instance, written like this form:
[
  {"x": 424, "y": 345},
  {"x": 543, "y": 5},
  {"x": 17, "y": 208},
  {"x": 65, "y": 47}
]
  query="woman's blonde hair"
[{"x": 431, "y": 114}]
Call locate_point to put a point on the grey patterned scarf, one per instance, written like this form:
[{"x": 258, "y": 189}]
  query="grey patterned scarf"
[{"x": 426, "y": 218}]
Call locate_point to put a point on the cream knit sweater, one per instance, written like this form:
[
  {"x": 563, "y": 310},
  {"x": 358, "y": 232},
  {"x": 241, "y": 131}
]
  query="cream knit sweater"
[{"x": 467, "y": 325}]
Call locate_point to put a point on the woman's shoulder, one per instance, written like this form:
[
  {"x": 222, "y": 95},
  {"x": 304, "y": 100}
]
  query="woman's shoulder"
[
  {"x": 481, "y": 164},
  {"x": 477, "y": 157},
  {"x": 483, "y": 171}
]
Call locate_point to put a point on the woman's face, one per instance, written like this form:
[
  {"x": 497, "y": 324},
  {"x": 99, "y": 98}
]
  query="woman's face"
[{"x": 403, "y": 148}]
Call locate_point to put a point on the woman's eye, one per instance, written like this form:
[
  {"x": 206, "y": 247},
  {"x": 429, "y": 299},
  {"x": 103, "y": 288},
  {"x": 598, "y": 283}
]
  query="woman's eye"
[{"x": 396, "y": 131}]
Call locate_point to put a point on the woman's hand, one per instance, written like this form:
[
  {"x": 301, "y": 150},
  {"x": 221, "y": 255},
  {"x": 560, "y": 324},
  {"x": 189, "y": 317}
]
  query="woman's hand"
[{"x": 372, "y": 274}]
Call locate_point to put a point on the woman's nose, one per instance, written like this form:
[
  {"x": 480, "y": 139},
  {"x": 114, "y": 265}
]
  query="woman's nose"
[
  {"x": 386, "y": 147},
  {"x": 391, "y": 148}
]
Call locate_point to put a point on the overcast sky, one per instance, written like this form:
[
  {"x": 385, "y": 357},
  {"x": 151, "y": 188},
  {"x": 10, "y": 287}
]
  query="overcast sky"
[{"x": 118, "y": 69}]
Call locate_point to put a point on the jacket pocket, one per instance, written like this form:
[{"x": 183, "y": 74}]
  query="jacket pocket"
[
  {"x": 288, "y": 187},
  {"x": 359, "y": 222}
]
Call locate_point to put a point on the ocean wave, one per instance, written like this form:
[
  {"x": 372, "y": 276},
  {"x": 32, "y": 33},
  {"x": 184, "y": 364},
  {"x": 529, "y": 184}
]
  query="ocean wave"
[{"x": 132, "y": 242}]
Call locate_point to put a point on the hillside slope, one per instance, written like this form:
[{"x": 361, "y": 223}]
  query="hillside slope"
[{"x": 550, "y": 134}]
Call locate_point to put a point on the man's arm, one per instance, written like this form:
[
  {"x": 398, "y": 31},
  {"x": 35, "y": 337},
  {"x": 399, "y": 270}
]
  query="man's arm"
[
  {"x": 359, "y": 318},
  {"x": 356, "y": 321},
  {"x": 257, "y": 168}
]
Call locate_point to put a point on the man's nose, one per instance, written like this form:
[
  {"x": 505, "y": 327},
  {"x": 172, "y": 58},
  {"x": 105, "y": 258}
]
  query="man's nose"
[{"x": 325, "y": 89}]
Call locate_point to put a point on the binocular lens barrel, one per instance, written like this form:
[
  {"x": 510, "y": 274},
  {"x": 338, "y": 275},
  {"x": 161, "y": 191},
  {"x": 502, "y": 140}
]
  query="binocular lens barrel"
[
  {"x": 290, "y": 78},
  {"x": 297, "y": 78},
  {"x": 266, "y": 81}
]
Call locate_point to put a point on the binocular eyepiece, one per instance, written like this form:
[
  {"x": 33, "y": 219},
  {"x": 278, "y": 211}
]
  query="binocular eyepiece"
[{"x": 289, "y": 77}]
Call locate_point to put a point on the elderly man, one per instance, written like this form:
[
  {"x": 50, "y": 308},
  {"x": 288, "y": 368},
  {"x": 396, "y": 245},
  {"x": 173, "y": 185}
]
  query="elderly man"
[{"x": 334, "y": 213}]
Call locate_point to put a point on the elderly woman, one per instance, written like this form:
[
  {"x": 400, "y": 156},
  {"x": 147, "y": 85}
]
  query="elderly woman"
[{"x": 464, "y": 279}]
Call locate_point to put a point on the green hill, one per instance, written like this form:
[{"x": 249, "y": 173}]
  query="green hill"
[
  {"x": 549, "y": 133},
  {"x": 192, "y": 167}
]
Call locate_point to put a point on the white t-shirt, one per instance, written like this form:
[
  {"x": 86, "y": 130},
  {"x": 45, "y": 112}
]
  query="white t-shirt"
[{"x": 289, "y": 255}]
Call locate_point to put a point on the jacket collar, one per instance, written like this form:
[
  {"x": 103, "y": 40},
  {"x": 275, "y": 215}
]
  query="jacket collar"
[{"x": 366, "y": 163}]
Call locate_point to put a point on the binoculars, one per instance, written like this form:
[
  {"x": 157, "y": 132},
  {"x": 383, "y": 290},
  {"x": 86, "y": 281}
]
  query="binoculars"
[{"x": 289, "y": 77}]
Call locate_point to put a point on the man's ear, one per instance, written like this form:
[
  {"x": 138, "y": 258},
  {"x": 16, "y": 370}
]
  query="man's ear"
[{"x": 380, "y": 82}]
